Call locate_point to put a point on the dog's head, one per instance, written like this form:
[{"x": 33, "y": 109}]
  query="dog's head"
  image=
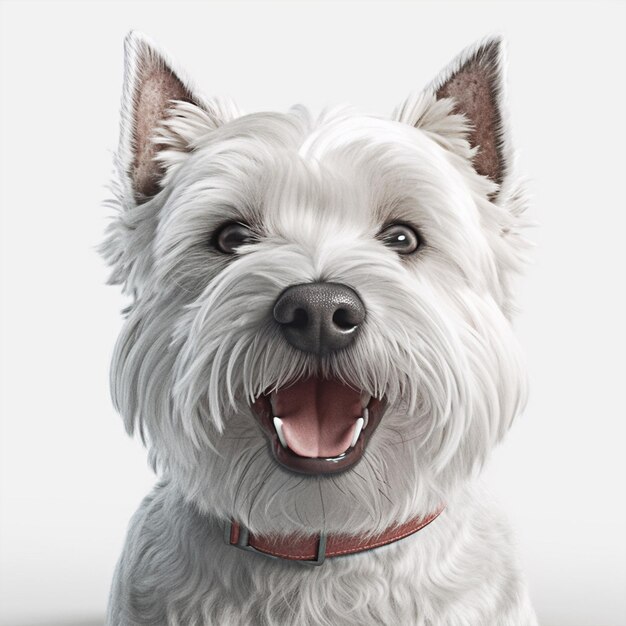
[{"x": 320, "y": 329}]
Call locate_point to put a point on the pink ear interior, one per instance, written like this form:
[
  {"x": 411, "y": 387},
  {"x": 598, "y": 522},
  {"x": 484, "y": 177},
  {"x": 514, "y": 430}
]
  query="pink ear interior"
[
  {"x": 475, "y": 88},
  {"x": 156, "y": 87}
]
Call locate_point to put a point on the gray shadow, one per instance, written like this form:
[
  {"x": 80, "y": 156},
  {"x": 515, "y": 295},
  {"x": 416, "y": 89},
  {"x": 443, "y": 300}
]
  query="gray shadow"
[{"x": 72, "y": 621}]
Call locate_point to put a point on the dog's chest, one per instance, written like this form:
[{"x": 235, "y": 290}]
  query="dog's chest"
[
  {"x": 176, "y": 569},
  {"x": 376, "y": 587},
  {"x": 181, "y": 571}
]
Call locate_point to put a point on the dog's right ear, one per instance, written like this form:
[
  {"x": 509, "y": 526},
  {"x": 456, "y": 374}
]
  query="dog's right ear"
[
  {"x": 162, "y": 114},
  {"x": 163, "y": 120}
]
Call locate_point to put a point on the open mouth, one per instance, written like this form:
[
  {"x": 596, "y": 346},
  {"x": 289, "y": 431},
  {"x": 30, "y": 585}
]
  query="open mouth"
[{"x": 318, "y": 426}]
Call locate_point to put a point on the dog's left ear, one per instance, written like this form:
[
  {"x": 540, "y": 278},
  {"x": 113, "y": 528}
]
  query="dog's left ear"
[{"x": 471, "y": 86}]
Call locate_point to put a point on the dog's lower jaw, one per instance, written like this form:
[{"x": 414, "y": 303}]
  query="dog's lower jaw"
[{"x": 176, "y": 569}]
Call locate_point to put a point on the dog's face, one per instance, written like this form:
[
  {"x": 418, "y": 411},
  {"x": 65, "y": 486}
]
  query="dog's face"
[{"x": 320, "y": 331}]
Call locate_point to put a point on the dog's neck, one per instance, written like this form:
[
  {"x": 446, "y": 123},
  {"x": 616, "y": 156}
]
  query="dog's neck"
[{"x": 314, "y": 549}]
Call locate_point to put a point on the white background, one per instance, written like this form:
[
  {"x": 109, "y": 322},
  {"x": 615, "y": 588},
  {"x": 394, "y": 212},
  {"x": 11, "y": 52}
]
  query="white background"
[{"x": 70, "y": 479}]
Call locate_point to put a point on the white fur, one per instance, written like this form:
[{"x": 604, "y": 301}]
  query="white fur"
[{"x": 199, "y": 345}]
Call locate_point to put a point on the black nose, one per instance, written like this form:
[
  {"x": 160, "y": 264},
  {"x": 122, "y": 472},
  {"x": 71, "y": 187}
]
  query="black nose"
[{"x": 319, "y": 317}]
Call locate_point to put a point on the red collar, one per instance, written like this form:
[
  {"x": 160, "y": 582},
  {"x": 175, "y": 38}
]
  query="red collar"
[{"x": 314, "y": 549}]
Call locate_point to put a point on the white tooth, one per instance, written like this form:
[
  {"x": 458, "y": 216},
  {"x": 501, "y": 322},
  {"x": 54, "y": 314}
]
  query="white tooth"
[
  {"x": 365, "y": 399},
  {"x": 366, "y": 417},
  {"x": 278, "y": 425},
  {"x": 357, "y": 432}
]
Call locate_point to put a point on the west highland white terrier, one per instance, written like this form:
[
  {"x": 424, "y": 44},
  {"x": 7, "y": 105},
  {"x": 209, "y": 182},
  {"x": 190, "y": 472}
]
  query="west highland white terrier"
[{"x": 318, "y": 354}]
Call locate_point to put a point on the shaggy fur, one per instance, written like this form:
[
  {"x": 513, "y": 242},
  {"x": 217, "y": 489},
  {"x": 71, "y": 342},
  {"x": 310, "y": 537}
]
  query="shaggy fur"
[{"x": 199, "y": 345}]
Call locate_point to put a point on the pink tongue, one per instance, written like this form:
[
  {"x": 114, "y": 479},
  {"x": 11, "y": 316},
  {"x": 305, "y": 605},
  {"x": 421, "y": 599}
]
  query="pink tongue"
[{"x": 319, "y": 416}]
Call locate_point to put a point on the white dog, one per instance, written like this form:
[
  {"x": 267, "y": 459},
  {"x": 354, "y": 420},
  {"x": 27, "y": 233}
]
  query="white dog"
[{"x": 318, "y": 355}]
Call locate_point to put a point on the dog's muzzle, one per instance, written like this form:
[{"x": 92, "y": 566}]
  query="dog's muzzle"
[{"x": 318, "y": 425}]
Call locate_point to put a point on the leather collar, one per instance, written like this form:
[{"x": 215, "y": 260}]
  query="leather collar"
[{"x": 314, "y": 549}]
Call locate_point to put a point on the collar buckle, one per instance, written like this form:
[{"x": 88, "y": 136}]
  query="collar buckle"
[{"x": 238, "y": 535}]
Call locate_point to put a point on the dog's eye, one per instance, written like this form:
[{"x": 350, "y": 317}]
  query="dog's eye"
[
  {"x": 400, "y": 237},
  {"x": 231, "y": 236}
]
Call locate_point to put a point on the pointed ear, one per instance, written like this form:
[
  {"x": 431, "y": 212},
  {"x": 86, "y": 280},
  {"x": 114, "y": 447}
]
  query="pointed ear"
[
  {"x": 476, "y": 82},
  {"x": 153, "y": 93},
  {"x": 473, "y": 85}
]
